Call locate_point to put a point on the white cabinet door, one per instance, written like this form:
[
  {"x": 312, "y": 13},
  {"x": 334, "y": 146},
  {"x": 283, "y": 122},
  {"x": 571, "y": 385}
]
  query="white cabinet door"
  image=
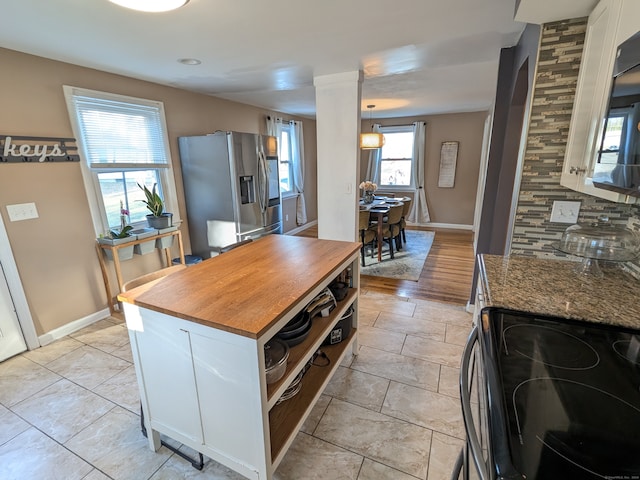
[
  {"x": 11, "y": 338},
  {"x": 230, "y": 385},
  {"x": 592, "y": 94},
  {"x": 166, "y": 375}
]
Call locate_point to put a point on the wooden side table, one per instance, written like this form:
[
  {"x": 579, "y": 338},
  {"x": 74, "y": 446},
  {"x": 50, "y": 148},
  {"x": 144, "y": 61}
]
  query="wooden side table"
[{"x": 114, "y": 308}]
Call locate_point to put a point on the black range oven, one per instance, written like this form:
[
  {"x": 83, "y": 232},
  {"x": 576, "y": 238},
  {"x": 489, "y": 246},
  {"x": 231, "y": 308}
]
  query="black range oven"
[{"x": 558, "y": 399}]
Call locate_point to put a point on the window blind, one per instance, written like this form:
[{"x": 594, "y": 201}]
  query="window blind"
[{"x": 119, "y": 134}]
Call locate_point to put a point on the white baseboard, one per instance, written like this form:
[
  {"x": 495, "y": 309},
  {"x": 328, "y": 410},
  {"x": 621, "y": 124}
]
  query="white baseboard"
[
  {"x": 452, "y": 226},
  {"x": 301, "y": 228},
  {"x": 72, "y": 327}
]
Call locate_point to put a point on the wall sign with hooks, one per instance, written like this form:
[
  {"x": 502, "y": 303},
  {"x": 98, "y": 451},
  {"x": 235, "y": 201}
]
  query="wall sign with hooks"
[{"x": 37, "y": 149}]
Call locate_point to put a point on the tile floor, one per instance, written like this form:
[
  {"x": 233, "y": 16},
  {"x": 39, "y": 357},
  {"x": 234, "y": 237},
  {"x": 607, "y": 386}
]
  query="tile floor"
[{"x": 70, "y": 410}]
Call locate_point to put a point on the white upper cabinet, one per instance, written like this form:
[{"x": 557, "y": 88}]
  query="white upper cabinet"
[{"x": 610, "y": 23}]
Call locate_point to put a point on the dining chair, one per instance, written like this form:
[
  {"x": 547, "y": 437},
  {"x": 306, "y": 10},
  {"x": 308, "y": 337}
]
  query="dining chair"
[
  {"x": 136, "y": 282},
  {"x": 405, "y": 213},
  {"x": 149, "y": 277},
  {"x": 367, "y": 233},
  {"x": 391, "y": 228}
]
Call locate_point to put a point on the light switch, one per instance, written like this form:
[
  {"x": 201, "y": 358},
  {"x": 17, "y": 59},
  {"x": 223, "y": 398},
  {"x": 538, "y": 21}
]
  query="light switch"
[
  {"x": 22, "y": 211},
  {"x": 565, "y": 212}
]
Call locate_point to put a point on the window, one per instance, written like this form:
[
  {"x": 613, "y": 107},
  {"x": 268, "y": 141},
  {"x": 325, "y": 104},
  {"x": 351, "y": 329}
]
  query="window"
[
  {"x": 286, "y": 158},
  {"x": 396, "y": 157},
  {"x": 124, "y": 143}
]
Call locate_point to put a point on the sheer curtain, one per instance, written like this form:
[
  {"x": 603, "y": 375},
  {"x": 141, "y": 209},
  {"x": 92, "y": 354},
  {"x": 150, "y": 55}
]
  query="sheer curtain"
[
  {"x": 419, "y": 213},
  {"x": 297, "y": 153},
  {"x": 296, "y": 137},
  {"x": 274, "y": 128},
  {"x": 373, "y": 167}
]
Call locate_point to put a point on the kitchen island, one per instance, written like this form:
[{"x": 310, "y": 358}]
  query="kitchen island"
[{"x": 198, "y": 339}]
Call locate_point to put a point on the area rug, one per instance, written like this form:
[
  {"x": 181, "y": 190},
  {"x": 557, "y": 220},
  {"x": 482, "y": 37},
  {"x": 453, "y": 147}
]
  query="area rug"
[{"x": 407, "y": 263}]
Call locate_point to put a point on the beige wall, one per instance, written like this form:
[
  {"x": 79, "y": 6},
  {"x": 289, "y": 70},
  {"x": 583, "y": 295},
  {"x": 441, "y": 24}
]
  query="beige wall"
[
  {"x": 55, "y": 253},
  {"x": 455, "y": 205}
]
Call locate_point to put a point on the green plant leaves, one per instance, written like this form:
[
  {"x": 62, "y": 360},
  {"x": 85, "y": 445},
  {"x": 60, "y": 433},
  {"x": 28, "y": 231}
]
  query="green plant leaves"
[{"x": 153, "y": 201}]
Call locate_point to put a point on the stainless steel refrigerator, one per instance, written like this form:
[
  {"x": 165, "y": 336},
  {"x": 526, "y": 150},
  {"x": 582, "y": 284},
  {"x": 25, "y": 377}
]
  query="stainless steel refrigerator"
[{"x": 231, "y": 187}]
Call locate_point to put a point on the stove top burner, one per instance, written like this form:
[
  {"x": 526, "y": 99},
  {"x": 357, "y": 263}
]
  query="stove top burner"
[
  {"x": 561, "y": 426},
  {"x": 550, "y": 346},
  {"x": 628, "y": 349},
  {"x": 564, "y": 397}
]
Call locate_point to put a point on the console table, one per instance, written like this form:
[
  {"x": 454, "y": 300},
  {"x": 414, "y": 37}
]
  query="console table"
[{"x": 102, "y": 247}]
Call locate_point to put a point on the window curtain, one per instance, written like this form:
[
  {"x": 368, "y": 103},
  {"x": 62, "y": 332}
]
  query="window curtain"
[
  {"x": 296, "y": 137},
  {"x": 297, "y": 153},
  {"x": 419, "y": 213},
  {"x": 375, "y": 155},
  {"x": 274, "y": 128}
]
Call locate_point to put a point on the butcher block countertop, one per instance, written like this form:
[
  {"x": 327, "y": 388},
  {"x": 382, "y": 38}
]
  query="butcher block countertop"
[
  {"x": 552, "y": 287},
  {"x": 248, "y": 289}
]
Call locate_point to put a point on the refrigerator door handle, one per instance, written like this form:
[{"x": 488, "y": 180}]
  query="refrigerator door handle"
[{"x": 262, "y": 181}]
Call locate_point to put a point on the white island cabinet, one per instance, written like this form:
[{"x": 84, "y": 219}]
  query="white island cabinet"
[{"x": 198, "y": 339}]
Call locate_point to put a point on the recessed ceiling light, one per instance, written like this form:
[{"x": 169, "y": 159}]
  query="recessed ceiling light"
[
  {"x": 151, "y": 5},
  {"x": 189, "y": 61}
]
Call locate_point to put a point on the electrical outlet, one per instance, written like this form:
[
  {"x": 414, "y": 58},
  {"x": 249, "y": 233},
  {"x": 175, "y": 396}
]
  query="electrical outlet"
[
  {"x": 565, "y": 212},
  {"x": 22, "y": 211}
]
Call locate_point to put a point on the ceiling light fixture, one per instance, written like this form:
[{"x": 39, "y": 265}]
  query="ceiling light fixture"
[
  {"x": 373, "y": 140},
  {"x": 189, "y": 61},
  {"x": 151, "y": 5}
]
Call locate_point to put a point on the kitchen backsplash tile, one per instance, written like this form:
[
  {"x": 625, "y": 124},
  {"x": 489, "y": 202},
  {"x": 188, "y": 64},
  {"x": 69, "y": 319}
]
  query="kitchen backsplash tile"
[{"x": 553, "y": 94}]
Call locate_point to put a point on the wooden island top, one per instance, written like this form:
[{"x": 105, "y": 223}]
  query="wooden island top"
[{"x": 248, "y": 289}]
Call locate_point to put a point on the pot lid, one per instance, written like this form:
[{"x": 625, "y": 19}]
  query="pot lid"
[
  {"x": 600, "y": 240},
  {"x": 275, "y": 353}
]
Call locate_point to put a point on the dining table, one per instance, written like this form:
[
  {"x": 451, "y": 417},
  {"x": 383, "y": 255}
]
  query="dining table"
[{"x": 379, "y": 208}]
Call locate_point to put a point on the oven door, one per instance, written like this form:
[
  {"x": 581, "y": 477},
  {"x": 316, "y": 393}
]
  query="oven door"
[
  {"x": 486, "y": 454},
  {"x": 475, "y": 455}
]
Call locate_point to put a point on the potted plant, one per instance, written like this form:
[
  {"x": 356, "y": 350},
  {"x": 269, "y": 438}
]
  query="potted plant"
[
  {"x": 117, "y": 237},
  {"x": 158, "y": 218}
]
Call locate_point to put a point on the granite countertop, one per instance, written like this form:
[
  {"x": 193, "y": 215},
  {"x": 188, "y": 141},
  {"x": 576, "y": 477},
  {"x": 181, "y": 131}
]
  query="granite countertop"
[{"x": 552, "y": 287}]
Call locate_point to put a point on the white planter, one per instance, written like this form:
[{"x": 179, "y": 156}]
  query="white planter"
[
  {"x": 124, "y": 253},
  {"x": 145, "y": 247},
  {"x": 165, "y": 242},
  {"x": 163, "y": 221}
]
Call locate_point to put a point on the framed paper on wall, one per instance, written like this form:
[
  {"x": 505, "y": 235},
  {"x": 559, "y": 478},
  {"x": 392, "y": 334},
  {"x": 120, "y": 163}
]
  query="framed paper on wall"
[{"x": 448, "y": 158}]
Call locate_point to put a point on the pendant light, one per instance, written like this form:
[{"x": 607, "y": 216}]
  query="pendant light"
[
  {"x": 373, "y": 140},
  {"x": 151, "y": 5}
]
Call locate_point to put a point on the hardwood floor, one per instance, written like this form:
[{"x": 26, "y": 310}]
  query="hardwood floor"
[{"x": 446, "y": 276}]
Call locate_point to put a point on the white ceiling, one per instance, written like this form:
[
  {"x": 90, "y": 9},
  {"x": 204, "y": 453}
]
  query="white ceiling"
[{"x": 418, "y": 56}]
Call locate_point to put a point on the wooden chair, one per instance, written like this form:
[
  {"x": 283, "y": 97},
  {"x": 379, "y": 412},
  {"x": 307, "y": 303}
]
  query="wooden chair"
[
  {"x": 136, "y": 282},
  {"x": 391, "y": 228},
  {"x": 149, "y": 277},
  {"x": 367, "y": 234},
  {"x": 405, "y": 214}
]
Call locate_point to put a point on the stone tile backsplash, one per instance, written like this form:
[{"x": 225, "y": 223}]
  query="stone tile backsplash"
[{"x": 553, "y": 94}]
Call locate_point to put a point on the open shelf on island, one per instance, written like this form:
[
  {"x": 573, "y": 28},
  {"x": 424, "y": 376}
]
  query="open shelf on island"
[
  {"x": 286, "y": 417},
  {"x": 300, "y": 354}
]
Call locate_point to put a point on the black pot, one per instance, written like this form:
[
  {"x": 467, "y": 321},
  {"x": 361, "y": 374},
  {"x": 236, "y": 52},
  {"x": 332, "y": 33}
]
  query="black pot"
[{"x": 339, "y": 290}]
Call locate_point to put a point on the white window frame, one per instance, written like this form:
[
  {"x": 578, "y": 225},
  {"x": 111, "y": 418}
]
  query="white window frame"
[
  {"x": 386, "y": 187},
  {"x": 287, "y": 127},
  {"x": 90, "y": 175}
]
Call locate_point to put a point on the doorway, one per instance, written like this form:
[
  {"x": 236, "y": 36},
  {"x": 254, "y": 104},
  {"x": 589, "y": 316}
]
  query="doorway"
[
  {"x": 16, "y": 324},
  {"x": 11, "y": 338}
]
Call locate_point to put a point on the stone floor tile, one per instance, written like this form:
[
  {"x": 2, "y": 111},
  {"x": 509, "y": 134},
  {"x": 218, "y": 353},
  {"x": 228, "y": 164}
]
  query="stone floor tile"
[
  {"x": 53, "y": 351},
  {"x": 411, "y": 325},
  {"x": 20, "y": 378},
  {"x": 400, "y": 368},
  {"x": 358, "y": 388},
  {"x": 432, "y": 351},
  {"x": 387, "y": 440},
  {"x": 381, "y": 339}
]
